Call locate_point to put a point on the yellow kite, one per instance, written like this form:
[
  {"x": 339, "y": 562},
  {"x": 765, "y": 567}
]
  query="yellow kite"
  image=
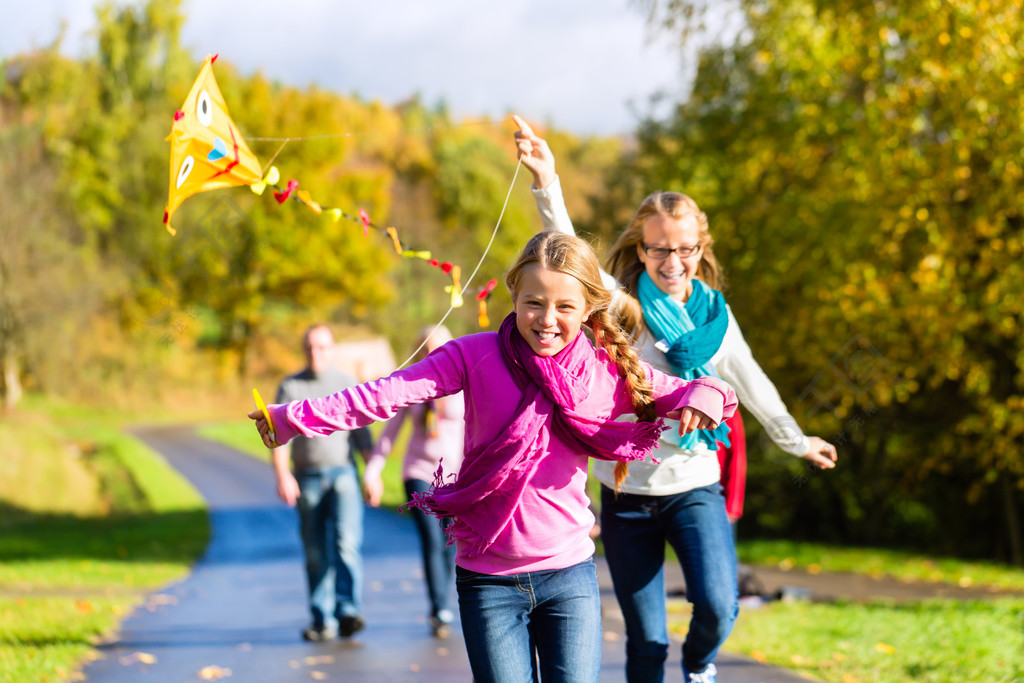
[{"x": 207, "y": 151}]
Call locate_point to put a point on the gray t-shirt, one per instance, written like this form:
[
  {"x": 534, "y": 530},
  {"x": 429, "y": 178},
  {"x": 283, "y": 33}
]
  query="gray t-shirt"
[{"x": 321, "y": 451}]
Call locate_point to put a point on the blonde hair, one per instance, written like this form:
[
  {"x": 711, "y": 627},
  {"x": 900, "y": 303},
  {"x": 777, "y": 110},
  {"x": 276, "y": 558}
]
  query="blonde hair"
[
  {"x": 567, "y": 254},
  {"x": 624, "y": 262}
]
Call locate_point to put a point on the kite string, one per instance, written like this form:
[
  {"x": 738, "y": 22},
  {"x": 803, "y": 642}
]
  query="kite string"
[
  {"x": 286, "y": 141},
  {"x": 478, "y": 264}
]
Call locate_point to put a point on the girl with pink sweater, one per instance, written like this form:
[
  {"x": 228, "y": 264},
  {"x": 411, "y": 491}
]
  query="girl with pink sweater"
[{"x": 540, "y": 400}]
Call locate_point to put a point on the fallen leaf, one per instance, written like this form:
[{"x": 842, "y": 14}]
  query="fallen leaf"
[
  {"x": 212, "y": 672},
  {"x": 85, "y": 607},
  {"x": 414, "y": 667},
  {"x": 319, "y": 659},
  {"x": 884, "y": 648},
  {"x": 758, "y": 656},
  {"x": 142, "y": 657},
  {"x": 318, "y": 675}
]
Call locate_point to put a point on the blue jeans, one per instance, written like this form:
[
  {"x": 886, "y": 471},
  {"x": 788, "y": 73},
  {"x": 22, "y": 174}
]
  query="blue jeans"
[
  {"x": 331, "y": 524},
  {"x": 555, "y": 614},
  {"x": 438, "y": 556},
  {"x": 634, "y": 530}
]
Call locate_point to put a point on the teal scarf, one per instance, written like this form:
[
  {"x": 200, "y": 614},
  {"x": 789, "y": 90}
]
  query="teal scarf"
[{"x": 689, "y": 335}]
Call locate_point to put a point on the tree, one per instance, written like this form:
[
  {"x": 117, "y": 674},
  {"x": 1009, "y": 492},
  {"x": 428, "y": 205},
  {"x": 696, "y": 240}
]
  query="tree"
[{"x": 860, "y": 165}]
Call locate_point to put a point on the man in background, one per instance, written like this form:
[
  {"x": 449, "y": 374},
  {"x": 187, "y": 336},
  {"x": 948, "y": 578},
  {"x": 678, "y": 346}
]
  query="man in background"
[{"x": 324, "y": 484}]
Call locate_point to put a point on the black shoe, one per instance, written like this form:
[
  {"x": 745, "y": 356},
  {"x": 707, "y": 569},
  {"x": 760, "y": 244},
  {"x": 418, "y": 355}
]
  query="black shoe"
[
  {"x": 348, "y": 626},
  {"x": 315, "y": 634}
]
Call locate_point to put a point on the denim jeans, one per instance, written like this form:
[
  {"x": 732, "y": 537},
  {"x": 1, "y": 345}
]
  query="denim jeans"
[
  {"x": 554, "y": 613},
  {"x": 438, "y": 556},
  {"x": 331, "y": 524},
  {"x": 634, "y": 530}
]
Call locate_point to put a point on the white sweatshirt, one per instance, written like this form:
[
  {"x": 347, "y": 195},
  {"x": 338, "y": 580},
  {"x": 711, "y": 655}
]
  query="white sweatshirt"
[{"x": 681, "y": 469}]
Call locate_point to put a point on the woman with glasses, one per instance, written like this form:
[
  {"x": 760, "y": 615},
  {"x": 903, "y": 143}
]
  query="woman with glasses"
[{"x": 666, "y": 281}]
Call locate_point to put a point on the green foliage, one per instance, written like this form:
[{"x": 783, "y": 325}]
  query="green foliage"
[
  {"x": 860, "y": 166},
  {"x": 83, "y": 141}
]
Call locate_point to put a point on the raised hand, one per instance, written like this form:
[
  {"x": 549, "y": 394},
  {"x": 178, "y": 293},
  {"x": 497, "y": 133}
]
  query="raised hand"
[{"x": 534, "y": 153}]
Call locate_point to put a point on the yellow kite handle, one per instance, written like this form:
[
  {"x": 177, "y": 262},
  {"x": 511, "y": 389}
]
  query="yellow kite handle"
[{"x": 263, "y": 409}]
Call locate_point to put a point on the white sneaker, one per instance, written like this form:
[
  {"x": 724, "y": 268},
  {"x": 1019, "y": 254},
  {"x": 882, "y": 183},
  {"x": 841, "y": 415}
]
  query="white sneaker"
[{"x": 707, "y": 676}]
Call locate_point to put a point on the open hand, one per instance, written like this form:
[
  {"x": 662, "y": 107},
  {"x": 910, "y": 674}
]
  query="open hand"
[
  {"x": 691, "y": 419},
  {"x": 821, "y": 453},
  {"x": 373, "y": 490}
]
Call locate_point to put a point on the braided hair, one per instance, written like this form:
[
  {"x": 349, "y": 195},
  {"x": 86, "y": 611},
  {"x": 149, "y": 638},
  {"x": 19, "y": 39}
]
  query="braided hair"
[{"x": 573, "y": 256}]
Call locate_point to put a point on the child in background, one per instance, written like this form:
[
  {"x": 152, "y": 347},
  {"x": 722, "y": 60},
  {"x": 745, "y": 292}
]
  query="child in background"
[
  {"x": 540, "y": 401},
  {"x": 436, "y": 441}
]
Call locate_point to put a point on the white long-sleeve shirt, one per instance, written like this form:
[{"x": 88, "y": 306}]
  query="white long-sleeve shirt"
[{"x": 681, "y": 469}]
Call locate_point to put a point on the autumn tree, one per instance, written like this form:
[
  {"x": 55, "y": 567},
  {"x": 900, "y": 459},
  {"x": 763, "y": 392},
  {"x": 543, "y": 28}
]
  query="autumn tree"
[{"x": 860, "y": 165}]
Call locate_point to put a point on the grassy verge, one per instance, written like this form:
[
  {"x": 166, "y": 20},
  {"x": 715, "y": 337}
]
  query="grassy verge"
[
  {"x": 936, "y": 641},
  {"x": 90, "y": 520},
  {"x": 815, "y": 557}
]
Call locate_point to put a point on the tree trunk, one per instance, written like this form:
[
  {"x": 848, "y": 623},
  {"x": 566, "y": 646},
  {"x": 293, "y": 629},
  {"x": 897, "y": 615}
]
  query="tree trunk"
[
  {"x": 10, "y": 386},
  {"x": 1012, "y": 522}
]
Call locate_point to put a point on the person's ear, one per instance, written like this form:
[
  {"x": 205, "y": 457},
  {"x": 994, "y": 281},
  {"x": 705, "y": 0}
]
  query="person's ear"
[{"x": 640, "y": 252}]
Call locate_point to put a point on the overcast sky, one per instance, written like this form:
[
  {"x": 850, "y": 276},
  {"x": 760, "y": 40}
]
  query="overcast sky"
[{"x": 579, "y": 64}]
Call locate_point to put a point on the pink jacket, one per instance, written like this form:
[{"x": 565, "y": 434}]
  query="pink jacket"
[{"x": 550, "y": 529}]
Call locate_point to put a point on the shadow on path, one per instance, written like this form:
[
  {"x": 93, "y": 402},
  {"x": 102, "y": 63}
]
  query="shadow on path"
[{"x": 239, "y": 613}]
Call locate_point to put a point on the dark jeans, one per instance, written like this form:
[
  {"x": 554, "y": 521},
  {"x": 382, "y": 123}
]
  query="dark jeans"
[
  {"x": 634, "y": 530},
  {"x": 438, "y": 556},
  {"x": 555, "y": 614}
]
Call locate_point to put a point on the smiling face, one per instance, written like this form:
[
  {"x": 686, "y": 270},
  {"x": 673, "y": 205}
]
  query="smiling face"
[
  {"x": 550, "y": 307},
  {"x": 672, "y": 274}
]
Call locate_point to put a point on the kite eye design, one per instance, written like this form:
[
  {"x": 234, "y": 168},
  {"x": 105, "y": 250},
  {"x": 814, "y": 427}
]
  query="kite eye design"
[
  {"x": 185, "y": 168},
  {"x": 204, "y": 109}
]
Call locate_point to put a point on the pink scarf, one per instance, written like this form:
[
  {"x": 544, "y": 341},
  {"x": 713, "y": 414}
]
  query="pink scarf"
[{"x": 493, "y": 477}]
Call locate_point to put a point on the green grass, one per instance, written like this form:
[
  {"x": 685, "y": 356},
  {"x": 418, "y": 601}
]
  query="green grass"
[
  {"x": 934, "y": 641},
  {"x": 80, "y": 546},
  {"x": 879, "y": 562},
  {"x": 60, "y": 632},
  {"x": 238, "y": 434}
]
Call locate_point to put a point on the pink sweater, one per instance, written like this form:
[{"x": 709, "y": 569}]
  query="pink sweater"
[
  {"x": 550, "y": 529},
  {"x": 424, "y": 450}
]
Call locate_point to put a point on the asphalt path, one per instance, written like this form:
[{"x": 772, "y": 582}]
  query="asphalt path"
[{"x": 238, "y": 615}]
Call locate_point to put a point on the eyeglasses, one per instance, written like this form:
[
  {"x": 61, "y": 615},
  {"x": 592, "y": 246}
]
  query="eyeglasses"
[{"x": 659, "y": 253}]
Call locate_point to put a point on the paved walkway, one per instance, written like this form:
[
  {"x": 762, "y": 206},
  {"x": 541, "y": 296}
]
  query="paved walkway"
[{"x": 237, "y": 617}]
